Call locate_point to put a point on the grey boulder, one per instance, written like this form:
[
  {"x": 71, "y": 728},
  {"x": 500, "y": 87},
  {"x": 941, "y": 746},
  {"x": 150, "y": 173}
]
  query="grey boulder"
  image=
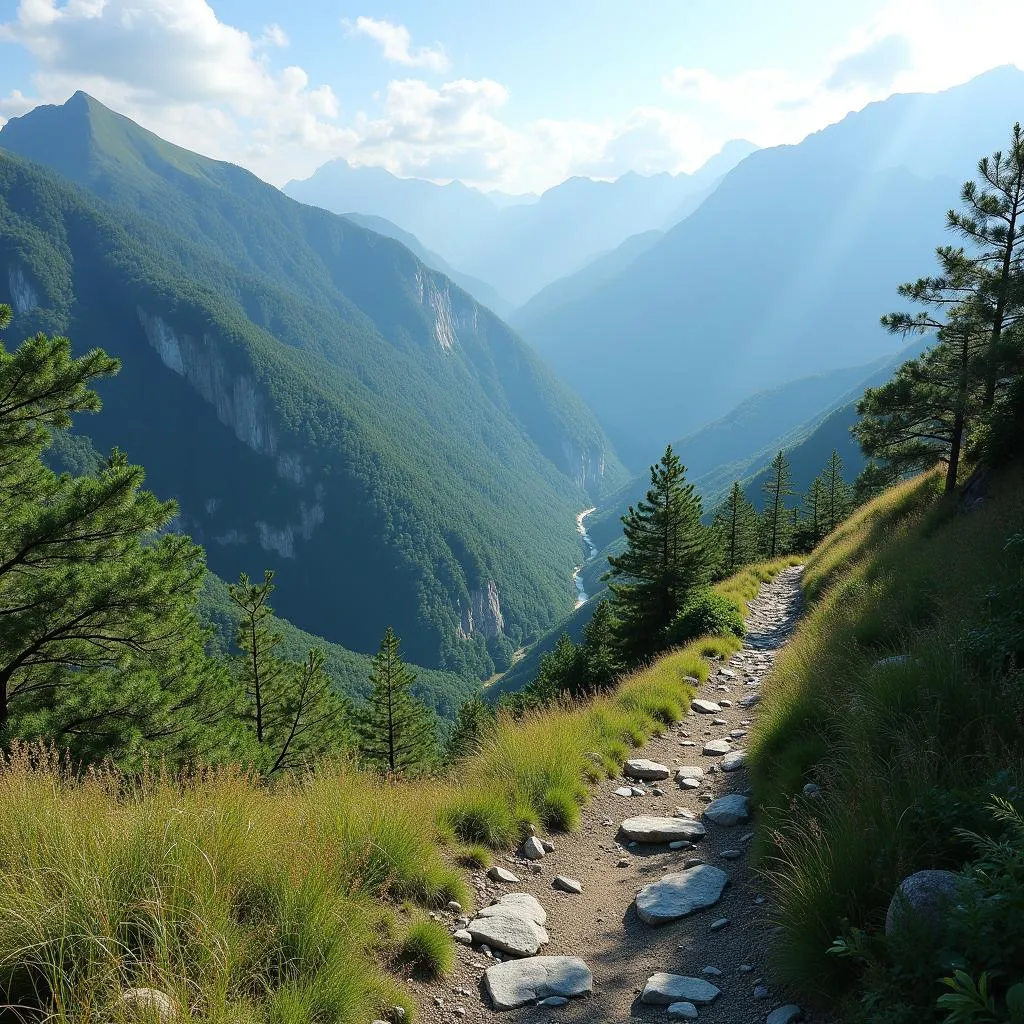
[
  {"x": 511, "y": 933},
  {"x": 644, "y": 770},
  {"x": 649, "y": 829},
  {"x": 665, "y": 989},
  {"x": 785, "y": 1014},
  {"x": 521, "y": 903},
  {"x": 714, "y": 748},
  {"x": 730, "y": 810},
  {"x": 734, "y": 761},
  {"x": 922, "y": 895},
  {"x": 679, "y": 894},
  {"x": 518, "y": 982},
  {"x": 533, "y": 849}
]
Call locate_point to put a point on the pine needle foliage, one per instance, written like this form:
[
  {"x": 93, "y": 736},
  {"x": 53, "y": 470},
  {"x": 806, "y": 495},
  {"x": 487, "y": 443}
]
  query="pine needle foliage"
[
  {"x": 396, "y": 732},
  {"x": 669, "y": 554},
  {"x": 736, "y": 526},
  {"x": 777, "y": 517}
]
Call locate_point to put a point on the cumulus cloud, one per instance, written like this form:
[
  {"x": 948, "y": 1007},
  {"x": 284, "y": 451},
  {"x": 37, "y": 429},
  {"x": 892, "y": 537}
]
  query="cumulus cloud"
[
  {"x": 173, "y": 65},
  {"x": 396, "y": 44}
]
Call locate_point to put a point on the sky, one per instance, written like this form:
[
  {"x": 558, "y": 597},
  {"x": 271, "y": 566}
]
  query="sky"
[{"x": 516, "y": 96}]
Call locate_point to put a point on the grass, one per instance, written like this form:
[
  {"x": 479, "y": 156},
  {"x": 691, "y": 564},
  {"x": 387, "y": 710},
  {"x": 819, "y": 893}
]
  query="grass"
[
  {"x": 429, "y": 949},
  {"x": 890, "y": 745},
  {"x": 256, "y": 904}
]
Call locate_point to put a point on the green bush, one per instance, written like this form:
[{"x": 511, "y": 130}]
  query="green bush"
[
  {"x": 705, "y": 614},
  {"x": 429, "y": 949}
]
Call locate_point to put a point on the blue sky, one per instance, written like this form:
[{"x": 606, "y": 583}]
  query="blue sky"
[{"x": 512, "y": 95}]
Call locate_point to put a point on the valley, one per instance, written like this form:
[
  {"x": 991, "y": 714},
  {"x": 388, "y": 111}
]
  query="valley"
[{"x": 482, "y": 539}]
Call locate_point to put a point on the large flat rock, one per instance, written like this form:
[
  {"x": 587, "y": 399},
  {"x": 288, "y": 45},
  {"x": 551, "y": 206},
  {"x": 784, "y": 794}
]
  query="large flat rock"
[
  {"x": 646, "y": 771},
  {"x": 517, "y": 903},
  {"x": 511, "y": 932},
  {"x": 705, "y": 707},
  {"x": 715, "y": 748},
  {"x": 664, "y": 989},
  {"x": 648, "y": 829},
  {"x": 733, "y": 809},
  {"x": 677, "y": 895},
  {"x": 518, "y": 982}
]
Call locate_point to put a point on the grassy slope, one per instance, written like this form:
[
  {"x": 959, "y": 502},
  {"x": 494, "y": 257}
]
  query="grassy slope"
[
  {"x": 287, "y": 904},
  {"x": 905, "y": 753}
]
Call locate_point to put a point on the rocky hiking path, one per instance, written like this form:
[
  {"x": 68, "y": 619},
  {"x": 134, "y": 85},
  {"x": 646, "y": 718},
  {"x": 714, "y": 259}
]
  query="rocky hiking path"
[{"x": 669, "y": 923}]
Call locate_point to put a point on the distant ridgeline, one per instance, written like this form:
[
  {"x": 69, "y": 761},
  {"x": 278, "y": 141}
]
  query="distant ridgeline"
[{"x": 317, "y": 400}]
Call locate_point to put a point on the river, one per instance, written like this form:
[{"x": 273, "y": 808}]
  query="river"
[{"x": 590, "y": 551}]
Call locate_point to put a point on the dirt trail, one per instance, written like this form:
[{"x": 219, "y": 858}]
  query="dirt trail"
[{"x": 601, "y": 925}]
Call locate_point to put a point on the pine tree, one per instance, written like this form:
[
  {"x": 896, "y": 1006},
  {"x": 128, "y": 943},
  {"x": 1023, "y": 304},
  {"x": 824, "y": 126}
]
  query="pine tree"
[
  {"x": 560, "y": 672},
  {"x": 777, "y": 518},
  {"x": 992, "y": 225},
  {"x": 668, "y": 555},
  {"x": 737, "y": 528},
  {"x": 601, "y": 666},
  {"x": 101, "y": 649},
  {"x": 396, "y": 731},
  {"x": 811, "y": 516},
  {"x": 474, "y": 721},
  {"x": 923, "y": 414},
  {"x": 836, "y": 497},
  {"x": 291, "y": 710}
]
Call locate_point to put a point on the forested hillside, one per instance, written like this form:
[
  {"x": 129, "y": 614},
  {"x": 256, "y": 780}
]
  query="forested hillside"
[{"x": 316, "y": 399}]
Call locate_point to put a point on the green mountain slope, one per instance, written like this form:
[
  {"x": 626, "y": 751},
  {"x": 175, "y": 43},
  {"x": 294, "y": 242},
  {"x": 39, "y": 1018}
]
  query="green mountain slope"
[
  {"x": 317, "y": 400},
  {"x": 783, "y": 271},
  {"x": 480, "y": 290}
]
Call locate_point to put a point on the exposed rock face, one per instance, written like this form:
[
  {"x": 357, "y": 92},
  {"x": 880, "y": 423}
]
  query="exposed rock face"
[
  {"x": 584, "y": 465},
  {"x": 449, "y": 316},
  {"x": 483, "y": 614},
  {"x": 23, "y": 295},
  {"x": 238, "y": 404},
  {"x": 922, "y": 895},
  {"x": 518, "y": 982}
]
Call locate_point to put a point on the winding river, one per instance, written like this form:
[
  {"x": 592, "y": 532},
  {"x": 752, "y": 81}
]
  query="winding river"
[{"x": 590, "y": 550}]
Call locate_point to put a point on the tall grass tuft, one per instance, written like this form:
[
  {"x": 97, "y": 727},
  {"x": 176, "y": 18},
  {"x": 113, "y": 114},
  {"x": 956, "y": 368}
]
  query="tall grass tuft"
[{"x": 880, "y": 702}]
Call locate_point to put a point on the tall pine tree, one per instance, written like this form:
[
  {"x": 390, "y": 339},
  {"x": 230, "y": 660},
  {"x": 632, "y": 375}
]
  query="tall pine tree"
[
  {"x": 397, "y": 733},
  {"x": 736, "y": 525},
  {"x": 777, "y": 517},
  {"x": 101, "y": 649},
  {"x": 836, "y": 496},
  {"x": 668, "y": 555},
  {"x": 291, "y": 710},
  {"x": 811, "y": 516}
]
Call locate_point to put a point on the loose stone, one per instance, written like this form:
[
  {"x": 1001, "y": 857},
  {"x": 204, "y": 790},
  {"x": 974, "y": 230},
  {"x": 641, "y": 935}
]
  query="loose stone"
[
  {"x": 680, "y": 894},
  {"x": 734, "y": 761},
  {"x": 785, "y": 1014},
  {"x": 715, "y": 748},
  {"x": 665, "y": 989},
  {"x": 567, "y": 884},
  {"x": 717, "y": 926},
  {"x": 705, "y": 707},
  {"x": 729, "y": 810},
  {"x": 644, "y": 770},
  {"x": 500, "y": 874},
  {"x": 682, "y": 1011},
  {"x": 518, "y": 982},
  {"x": 648, "y": 829}
]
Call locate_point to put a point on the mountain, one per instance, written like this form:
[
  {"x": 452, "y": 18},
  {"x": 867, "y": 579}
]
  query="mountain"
[
  {"x": 317, "y": 400},
  {"x": 517, "y": 248},
  {"x": 575, "y": 286},
  {"x": 783, "y": 271},
  {"x": 480, "y": 290}
]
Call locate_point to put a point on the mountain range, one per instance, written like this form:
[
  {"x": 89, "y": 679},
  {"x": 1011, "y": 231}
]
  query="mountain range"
[
  {"x": 520, "y": 248},
  {"x": 781, "y": 272},
  {"x": 318, "y": 400}
]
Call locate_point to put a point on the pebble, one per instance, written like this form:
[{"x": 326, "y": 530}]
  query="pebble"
[
  {"x": 731, "y": 854},
  {"x": 454, "y": 907},
  {"x": 714, "y": 972},
  {"x": 500, "y": 874},
  {"x": 713, "y": 748},
  {"x": 567, "y": 884},
  {"x": 682, "y": 1011},
  {"x": 624, "y": 791},
  {"x": 463, "y": 937},
  {"x": 760, "y": 992},
  {"x": 717, "y": 926}
]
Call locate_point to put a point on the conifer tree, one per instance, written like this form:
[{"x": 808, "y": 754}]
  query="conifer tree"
[
  {"x": 560, "y": 672},
  {"x": 396, "y": 731},
  {"x": 601, "y": 666},
  {"x": 737, "y": 528},
  {"x": 473, "y": 722},
  {"x": 100, "y": 646},
  {"x": 668, "y": 555},
  {"x": 777, "y": 518},
  {"x": 811, "y": 517},
  {"x": 836, "y": 497},
  {"x": 291, "y": 710}
]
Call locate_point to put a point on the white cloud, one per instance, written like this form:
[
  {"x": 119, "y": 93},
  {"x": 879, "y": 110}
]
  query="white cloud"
[
  {"x": 185, "y": 74},
  {"x": 174, "y": 66},
  {"x": 396, "y": 44},
  {"x": 273, "y": 35}
]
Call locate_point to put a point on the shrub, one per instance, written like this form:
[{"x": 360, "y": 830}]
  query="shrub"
[
  {"x": 428, "y": 949},
  {"x": 705, "y": 614}
]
